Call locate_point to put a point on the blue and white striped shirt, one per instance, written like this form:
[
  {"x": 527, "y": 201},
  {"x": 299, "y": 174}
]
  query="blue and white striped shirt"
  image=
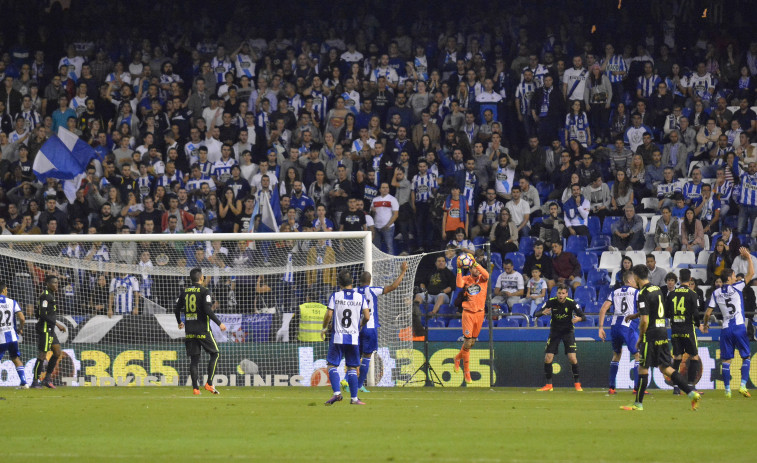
[
  {"x": 615, "y": 64},
  {"x": 371, "y": 294},
  {"x": 723, "y": 191},
  {"x": 423, "y": 186},
  {"x": 123, "y": 290},
  {"x": 693, "y": 191},
  {"x": 647, "y": 85},
  {"x": 523, "y": 92}
]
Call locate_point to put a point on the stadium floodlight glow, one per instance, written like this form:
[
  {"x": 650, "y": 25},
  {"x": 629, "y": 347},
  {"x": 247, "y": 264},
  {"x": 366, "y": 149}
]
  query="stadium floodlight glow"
[{"x": 117, "y": 293}]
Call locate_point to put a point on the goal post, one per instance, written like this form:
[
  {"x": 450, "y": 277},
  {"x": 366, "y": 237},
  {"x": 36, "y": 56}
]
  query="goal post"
[{"x": 117, "y": 292}]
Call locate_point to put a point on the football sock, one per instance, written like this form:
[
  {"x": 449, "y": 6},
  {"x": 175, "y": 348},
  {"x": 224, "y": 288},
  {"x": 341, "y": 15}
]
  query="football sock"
[
  {"x": 636, "y": 376},
  {"x": 726, "y": 370},
  {"x": 693, "y": 371},
  {"x": 335, "y": 382},
  {"x": 548, "y": 372},
  {"x": 680, "y": 382},
  {"x": 51, "y": 364},
  {"x": 352, "y": 381},
  {"x": 745, "y": 371},
  {"x": 365, "y": 363},
  {"x": 37, "y": 369},
  {"x": 643, "y": 381},
  {"x": 613, "y": 374},
  {"x": 194, "y": 371},
  {"x": 466, "y": 361},
  {"x": 212, "y": 364},
  {"x": 21, "y": 374},
  {"x": 677, "y": 364},
  {"x": 574, "y": 368}
]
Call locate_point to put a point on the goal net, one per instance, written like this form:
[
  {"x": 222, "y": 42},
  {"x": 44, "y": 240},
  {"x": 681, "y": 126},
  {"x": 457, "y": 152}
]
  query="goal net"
[{"x": 117, "y": 292}]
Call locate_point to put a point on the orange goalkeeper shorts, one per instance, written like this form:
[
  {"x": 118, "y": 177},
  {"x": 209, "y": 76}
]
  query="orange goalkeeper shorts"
[{"x": 472, "y": 322}]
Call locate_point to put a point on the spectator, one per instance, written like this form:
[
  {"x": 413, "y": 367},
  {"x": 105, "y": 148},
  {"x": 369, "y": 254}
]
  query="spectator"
[
  {"x": 461, "y": 242},
  {"x": 488, "y": 214},
  {"x": 456, "y": 213},
  {"x": 626, "y": 264},
  {"x": 656, "y": 274},
  {"x": 509, "y": 288},
  {"x": 708, "y": 210},
  {"x": 576, "y": 211},
  {"x": 637, "y": 175},
  {"x": 385, "y": 209},
  {"x": 566, "y": 267},
  {"x": 599, "y": 196},
  {"x": 520, "y": 211},
  {"x": 731, "y": 241},
  {"x": 587, "y": 170},
  {"x": 692, "y": 232},
  {"x": 598, "y": 97},
  {"x": 741, "y": 265},
  {"x": 719, "y": 260},
  {"x": 504, "y": 234},
  {"x": 667, "y": 232},
  {"x": 539, "y": 260},
  {"x": 628, "y": 232},
  {"x": 561, "y": 177},
  {"x": 536, "y": 291},
  {"x": 546, "y": 109},
  {"x": 622, "y": 193},
  {"x": 437, "y": 288},
  {"x": 620, "y": 156}
]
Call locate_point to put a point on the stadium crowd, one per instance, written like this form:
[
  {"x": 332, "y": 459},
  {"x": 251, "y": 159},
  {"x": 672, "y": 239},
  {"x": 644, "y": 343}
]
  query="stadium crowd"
[{"x": 589, "y": 131}]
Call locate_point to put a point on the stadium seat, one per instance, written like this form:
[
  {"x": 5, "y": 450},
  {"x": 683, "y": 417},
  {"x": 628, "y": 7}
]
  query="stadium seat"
[
  {"x": 526, "y": 245},
  {"x": 510, "y": 322},
  {"x": 650, "y": 203},
  {"x": 497, "y": 260},
  {"x": 447, "y": 309},
  {"x": 604, "y": 291},
  {"x": 652, "y": 224},
  {"x": 521, "y": 308},
  {"x": 436, "y": 323},
  {"x": 455, "y": 323},
  {"x": 662, "y": 258},
  {"x": 577, "y": 244},
  {"x": 588, "y": 261},
  {"x": 608, "y": 223},
  {"x": 597, "y": 277},
  {"x": 544, "y": 189},
  {"x": 485, "y": 323},
  {"x": 600, "y": 242},
  {"x": 585, "y": 296},
  {"x": 594, "y": 226},
  {"x": 588, "y": 323},
  {"x": 683, "y": 259},
  {"x": 745, "y": 240},
  {"x": 518, "y": 260},
  {"x": 544, "y": 321},
  {"x": 479, "y": 241},
  {"x": 637, "y": 257},
  {"x": 495, "y": 275},
  {"x": 703, "y": 257},
  {"x": 610, "y": 260},
  {"x": 699, "y": 274}
]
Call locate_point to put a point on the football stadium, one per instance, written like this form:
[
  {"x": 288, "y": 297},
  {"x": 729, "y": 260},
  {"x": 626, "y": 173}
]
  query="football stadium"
[{"x": 515, "y": 231}]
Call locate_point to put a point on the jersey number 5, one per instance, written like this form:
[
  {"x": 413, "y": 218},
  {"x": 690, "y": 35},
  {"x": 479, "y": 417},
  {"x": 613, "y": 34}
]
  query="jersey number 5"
[{"x": 731, "y": 307}]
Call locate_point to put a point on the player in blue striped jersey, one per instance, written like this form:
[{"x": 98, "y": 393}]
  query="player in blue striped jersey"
[
  {"x": 624, "y": 329},
  {"x": 9, "y": 313},
  {"x": 729, "y": 298},
  {"x": 747, "y": 197},
  {"x": 368, "y": 341},
  {"x": 343, "y": 317},
  {"x": 124, "y": 296}
]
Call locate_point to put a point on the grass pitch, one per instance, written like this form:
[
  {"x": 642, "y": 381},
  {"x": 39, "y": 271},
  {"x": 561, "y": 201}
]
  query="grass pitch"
[{"x": 400, "y": 424}]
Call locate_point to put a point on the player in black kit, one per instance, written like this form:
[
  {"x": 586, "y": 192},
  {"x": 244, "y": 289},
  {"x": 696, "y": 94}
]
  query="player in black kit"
[
  {"x": 564, "y": 312},
  {"x": 653, "y": 346},
  {"x": 196, "y": 304},
  {"x": 683, "y": 309},
  {"x": 45, "y": 329}
]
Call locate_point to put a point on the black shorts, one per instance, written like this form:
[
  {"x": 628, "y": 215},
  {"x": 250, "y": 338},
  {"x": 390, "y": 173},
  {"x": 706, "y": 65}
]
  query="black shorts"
[
  {"x": 655, "y": 354},
  {"x": 684, "y": 343},
  {"x": 568, "y": 339},
  {"x": 195, "y": 342},
  {"x": 46, "y": 340}
]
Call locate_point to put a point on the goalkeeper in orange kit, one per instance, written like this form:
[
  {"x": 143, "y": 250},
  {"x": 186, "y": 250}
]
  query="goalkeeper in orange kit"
[{"x": 475, "y": 287}]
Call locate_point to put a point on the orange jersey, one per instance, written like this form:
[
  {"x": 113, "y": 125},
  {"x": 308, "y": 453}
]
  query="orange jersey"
[{"x": 476, "y": 290}]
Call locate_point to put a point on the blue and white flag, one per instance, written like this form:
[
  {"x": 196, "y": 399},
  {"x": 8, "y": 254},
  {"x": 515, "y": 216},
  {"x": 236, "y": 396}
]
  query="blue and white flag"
[
  {"x": 63, "y": 156},
  {"x": 265, "y": 208}
]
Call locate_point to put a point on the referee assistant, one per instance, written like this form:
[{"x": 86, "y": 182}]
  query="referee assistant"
[{"x": 195, "y": 304}]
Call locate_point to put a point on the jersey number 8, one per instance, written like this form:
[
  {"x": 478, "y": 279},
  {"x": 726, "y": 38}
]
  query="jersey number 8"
[{"x": 347, "y": 318}]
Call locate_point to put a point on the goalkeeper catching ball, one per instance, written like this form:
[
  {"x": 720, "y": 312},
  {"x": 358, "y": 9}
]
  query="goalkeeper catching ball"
[{"x": 475, "y": 287}]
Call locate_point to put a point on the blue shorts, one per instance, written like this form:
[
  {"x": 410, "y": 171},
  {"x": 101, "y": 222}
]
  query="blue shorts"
[
  {"x": 624, "y": 334},
  {"x": 349, "y": 352},
  {"x": 734, "y": 337},
  {"x": 11, "y": 347},
  {"x": 368, "y": 340}
]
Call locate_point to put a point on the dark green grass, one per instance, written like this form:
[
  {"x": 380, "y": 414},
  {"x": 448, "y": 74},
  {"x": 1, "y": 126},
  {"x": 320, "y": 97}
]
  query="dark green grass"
[{"x": 412, "y": 424}]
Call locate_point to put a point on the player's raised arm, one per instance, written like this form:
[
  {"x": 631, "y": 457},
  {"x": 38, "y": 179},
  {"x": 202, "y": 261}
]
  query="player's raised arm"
[
  {"x": 750, "y": 270},
  {"x": 396, "y": 283}
]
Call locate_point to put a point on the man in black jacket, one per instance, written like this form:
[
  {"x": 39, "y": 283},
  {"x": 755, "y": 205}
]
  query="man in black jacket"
[{"x": 547, "y": 108}]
